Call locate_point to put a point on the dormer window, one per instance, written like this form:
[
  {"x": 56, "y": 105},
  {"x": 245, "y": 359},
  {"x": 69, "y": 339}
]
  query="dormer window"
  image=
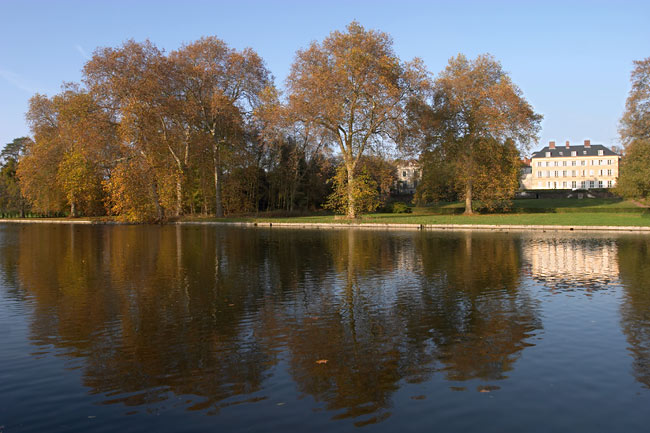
[
  {"x": 561, "y": 153},
  {"x": 574, "y": 153},
  {"x": 584, "y": 152},
  {"x": 548, "y": 154},
  {"x": 600, "y": 152}
]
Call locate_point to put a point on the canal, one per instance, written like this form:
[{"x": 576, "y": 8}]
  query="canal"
[{"x": 205, "y": 328}]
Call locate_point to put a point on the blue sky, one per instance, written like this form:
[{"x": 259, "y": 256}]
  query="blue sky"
[{"x": 571, "y": 59}]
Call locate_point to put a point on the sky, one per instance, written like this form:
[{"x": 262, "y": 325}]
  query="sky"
[{"x": 571, "y": 59}]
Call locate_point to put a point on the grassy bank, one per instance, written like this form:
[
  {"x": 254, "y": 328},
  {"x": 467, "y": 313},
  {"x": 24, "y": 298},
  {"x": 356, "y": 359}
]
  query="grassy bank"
[
  {"x": 564, "y": 212},
  {"x": 572, "y": 219},
  {"x": 570, "y": 212}
]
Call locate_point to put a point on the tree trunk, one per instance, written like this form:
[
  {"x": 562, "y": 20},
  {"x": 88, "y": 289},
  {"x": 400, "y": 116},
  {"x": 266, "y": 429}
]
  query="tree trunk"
[
  {"x": 179, "y": 196},
  {"x": 468, "y": 198},
  {"x": 73, "y": 209},
  {"x": 217, "y": 180},
  {"x": 159, "y": 209},
  {"x": 352, "y": 211}
]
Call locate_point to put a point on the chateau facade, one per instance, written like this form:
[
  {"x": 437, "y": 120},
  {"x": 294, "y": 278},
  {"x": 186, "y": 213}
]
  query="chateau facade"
[{"x": 574, "y": 167}]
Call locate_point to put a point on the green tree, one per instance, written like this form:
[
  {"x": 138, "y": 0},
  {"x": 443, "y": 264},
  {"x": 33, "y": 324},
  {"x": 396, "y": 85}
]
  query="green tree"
[
  {"x": 11, "y": 200},
  {"x": 364, "y": 192},
  {"x": 478, "y": 117},
  {"x": 634, "y": 172}
]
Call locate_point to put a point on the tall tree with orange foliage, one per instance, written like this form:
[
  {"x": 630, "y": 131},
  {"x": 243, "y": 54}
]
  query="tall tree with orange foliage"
[
  {"x": 222, "y": 87},
  {"x": 476, "y": 120},
  {"x": 65, "y": 162},
  {"x": 355, "y": 87}
]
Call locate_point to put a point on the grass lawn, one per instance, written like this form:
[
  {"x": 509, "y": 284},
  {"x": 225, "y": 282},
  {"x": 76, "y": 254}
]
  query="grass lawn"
[
  {"x": 568, "y": 212},
  {"x": 564, "y": 204},
  {"x": 571, "y": 219}
]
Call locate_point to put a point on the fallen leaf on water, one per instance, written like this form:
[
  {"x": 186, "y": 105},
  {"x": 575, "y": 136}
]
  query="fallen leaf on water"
[
  {"x": 488, "y": 388},
  {"x": 321, "y": 361},
  {"x": 231, "y": 305}
]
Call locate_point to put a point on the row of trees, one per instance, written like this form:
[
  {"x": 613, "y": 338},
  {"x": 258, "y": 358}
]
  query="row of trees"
[{"x": 148, "y": 135}]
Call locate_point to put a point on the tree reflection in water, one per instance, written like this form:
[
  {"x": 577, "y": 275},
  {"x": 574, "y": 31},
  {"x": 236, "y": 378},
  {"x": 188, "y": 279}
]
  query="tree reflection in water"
[
  {"x": 211, "y": 314},
  {"x": 634, "y": 259}
]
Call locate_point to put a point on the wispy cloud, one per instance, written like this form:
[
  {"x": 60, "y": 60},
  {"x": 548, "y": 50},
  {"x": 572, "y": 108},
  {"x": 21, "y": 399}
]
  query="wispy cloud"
[
  {"x": 16, "y": 80},
  {"x": 82, "y": 51}
]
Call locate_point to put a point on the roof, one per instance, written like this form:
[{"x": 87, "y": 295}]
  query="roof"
[{"x": 563, "y": 151}]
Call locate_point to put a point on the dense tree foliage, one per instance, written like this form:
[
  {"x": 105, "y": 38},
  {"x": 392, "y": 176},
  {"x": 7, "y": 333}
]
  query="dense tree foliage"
[{"x": 12, "y": 201}]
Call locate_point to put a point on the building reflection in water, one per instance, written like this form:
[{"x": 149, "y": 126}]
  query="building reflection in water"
[{"x": 567, "y": 262}]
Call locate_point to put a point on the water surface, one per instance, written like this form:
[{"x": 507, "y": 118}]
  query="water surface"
[{"x": 198, "y": 328}]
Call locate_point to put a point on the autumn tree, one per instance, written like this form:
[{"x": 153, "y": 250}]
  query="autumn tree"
[
  {"x": 354, "y": 86},
  {"x": 634, "y": 130},
  {"x": 134, "y": 85},
  {"x": 222, "y": 86},
  {"x": 476, "y": 113},
  {"x": 635, "y": 123}
]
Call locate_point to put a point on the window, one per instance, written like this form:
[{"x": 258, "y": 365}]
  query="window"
[
  {"x": 609, "y": 172},
  {"x": 584, "y": 152},
  {"x": 564, "y": 163},
  {"x": 548, "y": 154},
  {"x": 582, "y": 162},
  {"x": 600, "y": 152},
  {"x": 556, "y": 163},
  {"x": 539, "y": 163},
  {"x": 561, "y": 153},
  {"x": 591, "y": 172},
  {"x": 564, "y": 173},
  {"x": 600, "y": 172},
  {"x": 564, "y": 185},
  {"x": 556, "y": 174},
  {"x": 582, "y": 184},
  {"x": 573, "y": 173},
  {"x": 600, "y": 184},
  {"x": 591, "y": 183},
  {"x": 574, "y": 153},
  {"x": 609, "y": 184},
  {"x": 573, "y": 163},
  {"x": 573, "y": 184},
  {"x": 404, "y": 174}
]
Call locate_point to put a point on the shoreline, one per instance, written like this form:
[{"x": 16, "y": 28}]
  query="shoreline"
[{"x": 366, "y": 226}]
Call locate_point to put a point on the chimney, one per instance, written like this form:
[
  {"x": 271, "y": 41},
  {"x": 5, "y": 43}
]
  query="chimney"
[
  {"x": 567, "y": 144},
  {"x": 551, "y": 144},
  {"x": 587, "y": 143}
]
